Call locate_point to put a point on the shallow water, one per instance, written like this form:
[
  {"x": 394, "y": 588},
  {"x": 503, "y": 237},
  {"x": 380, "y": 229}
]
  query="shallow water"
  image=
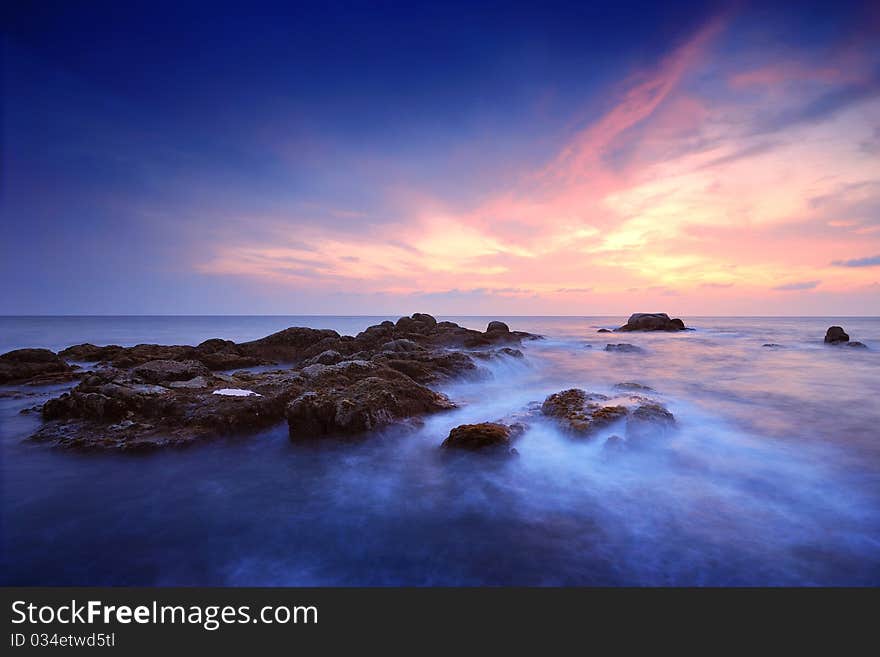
[{"x": 772, "y": 477}]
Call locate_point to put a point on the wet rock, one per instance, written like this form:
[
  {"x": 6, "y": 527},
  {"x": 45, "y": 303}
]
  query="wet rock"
[
  {"x": 772, "y": 345},
  {"x": 33, "y": 366},
  {"x": 584, "y": 413},
  {"x": 485, "y": 436},
  {"x": 836, "y": 335},
  {"x": 581, "y": 412},
  {"x": 652, "y": 322},
  {"x": 365, "y": 405},
  {"x": 604, "y": 330},
  {"x": 497, "y": 326},
  {"x": 430, "y": 367},
  {"x": 163, "y": 371},
  {"x": 624, "y": 348},
  {"x": 859, "y": 345}
]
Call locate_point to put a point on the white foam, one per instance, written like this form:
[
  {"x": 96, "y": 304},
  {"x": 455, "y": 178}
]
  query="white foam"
[{"x": 236, "y": 392}]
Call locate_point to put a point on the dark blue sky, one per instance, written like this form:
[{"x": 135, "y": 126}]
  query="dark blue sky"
[{"x": 143, "y": 141}]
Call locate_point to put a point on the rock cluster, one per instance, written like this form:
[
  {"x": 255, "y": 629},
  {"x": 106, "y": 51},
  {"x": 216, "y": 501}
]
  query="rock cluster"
[{"x": 332, "y": 385}]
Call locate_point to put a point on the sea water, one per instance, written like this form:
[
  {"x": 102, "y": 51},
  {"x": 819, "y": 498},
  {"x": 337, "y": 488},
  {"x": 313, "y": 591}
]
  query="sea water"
[{"x": 772, "y": 476}]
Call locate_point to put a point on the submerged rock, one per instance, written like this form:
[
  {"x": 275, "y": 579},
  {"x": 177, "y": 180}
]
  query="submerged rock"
[
  {"x": 623, "y": 347},
  {"x": 33, "y": 366},
  {"x": 604, "y": 330},
  {"x": 652, "y": 322},
  {"x": 583, "y": 413},
  {"x": 482, "y": 437}
]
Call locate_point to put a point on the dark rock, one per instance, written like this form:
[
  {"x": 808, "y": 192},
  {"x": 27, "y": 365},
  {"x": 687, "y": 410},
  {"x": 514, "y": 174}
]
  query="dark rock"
[
  {"x": 623, "y": 347},
  {"x": 836, "y": 335},
  {"x": 424, "y": 318},
  {"x": 365, "y": 405},
  {"x": 478, "y": 437},
  {"x": 857, "y": 344},
  {"x": 652, "y": 322},
  {"x": 163, "y": 371},
  {"x": 89, "y": 353},
  {"x": 33, "y": 366},
  {"x": 604, "y": 330},
  {"x": 772, "y": 345},
  {"x": 497, "y": 326}
]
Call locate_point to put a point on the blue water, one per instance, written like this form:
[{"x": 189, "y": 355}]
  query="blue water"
[{"x": 773, "y": 476}]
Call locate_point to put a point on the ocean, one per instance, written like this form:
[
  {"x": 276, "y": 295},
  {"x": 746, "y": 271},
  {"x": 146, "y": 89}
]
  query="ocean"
[{"x": 771, "y": 478}]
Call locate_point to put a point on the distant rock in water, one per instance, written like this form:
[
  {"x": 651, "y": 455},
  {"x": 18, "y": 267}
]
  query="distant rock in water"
[
  {"x": 836, "y": 335},
  {"x": 652, "y": 322},
  {"x": 772, "y": 345},
  {"x": 604, "y": 330},
  {"x": 623, "y": 347},
  {"x": 482, "y": 437}
]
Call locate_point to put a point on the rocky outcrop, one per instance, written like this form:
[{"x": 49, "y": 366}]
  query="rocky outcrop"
[
  {"x": 583, "y": 414},
  {"x": 155, "y": 395},
  {"x": 652, "y": 322},
  {"x": 484, "y": 437},
  {"x": 33, "y": 366}
]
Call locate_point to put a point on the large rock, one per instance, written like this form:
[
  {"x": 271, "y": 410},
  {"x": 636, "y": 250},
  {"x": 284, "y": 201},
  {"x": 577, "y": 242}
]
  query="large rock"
[
  {"x": 163, "y": 371},
  {"x": 33, "y": 366},
  {"x": 836, "y": 335},
  {"x": 583, "y": 414},
  {"x": 497, "y": 326},
  {"x": 365, "y": 405},
  {"x": 652, "y": 322},
  {"x": 485, "y": 436}
]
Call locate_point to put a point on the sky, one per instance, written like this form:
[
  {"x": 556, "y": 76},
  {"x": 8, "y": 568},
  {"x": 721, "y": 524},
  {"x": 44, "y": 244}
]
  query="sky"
[{"x": 452, "y": 158}]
